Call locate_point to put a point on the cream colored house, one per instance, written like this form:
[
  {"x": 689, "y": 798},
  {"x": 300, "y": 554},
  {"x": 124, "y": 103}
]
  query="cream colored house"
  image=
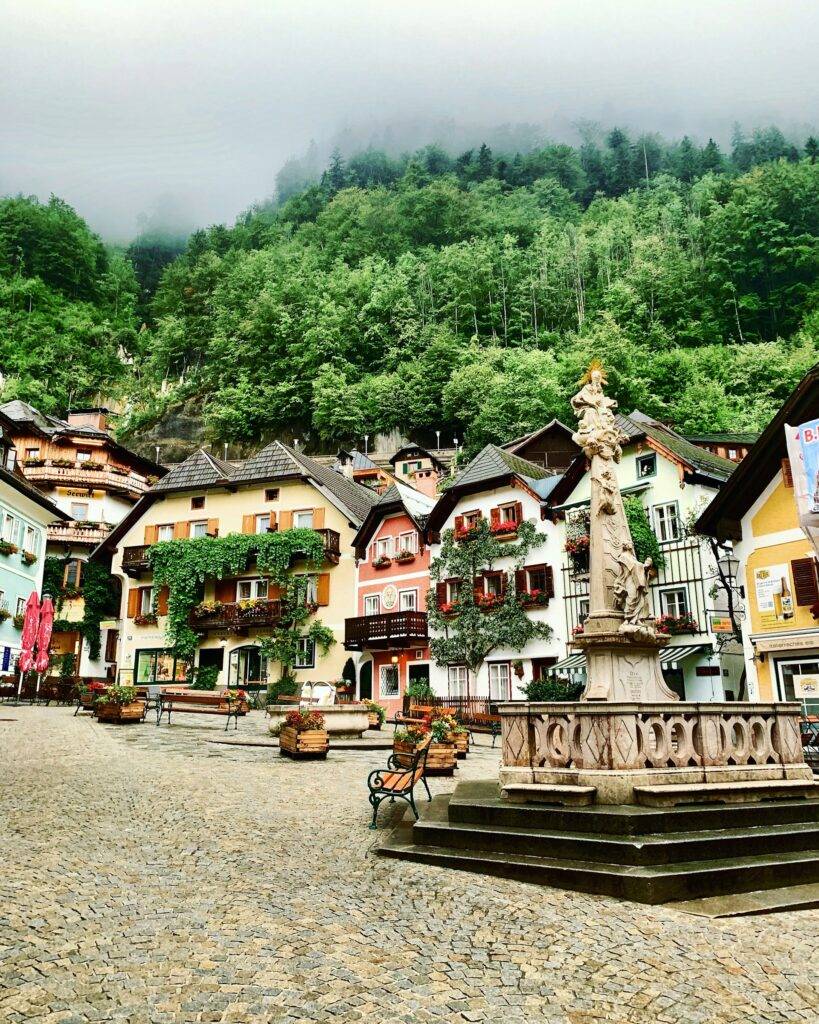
[{"x": 277, "y": 489}]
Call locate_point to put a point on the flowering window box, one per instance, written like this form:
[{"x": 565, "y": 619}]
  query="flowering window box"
[
  {"x": 382, "y": 562},
  {"x": 65, "y": 463},
  {"x": 28, "y": 557},
  {"x": 533, "y": 598},
  {"x": 7, "y": 548},
  {"x": 578, "y": 630},
  {"x": 33, "y": 462},
  {"x": 18, "y": 621},
  {"x": 504, "y": 530},
  {"x": 403, "y": 557},
  {"x": 677, "y": 625},
  {"x": 448, "y": 609},
  {"x": 145, "y": 620},
  {"x": 468, "y": 532},
  {"x": 486, "y": 602}
]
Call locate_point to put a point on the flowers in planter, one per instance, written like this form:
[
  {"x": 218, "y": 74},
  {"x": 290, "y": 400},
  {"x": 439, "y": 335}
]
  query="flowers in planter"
[
  {"x": 92, "y": 464},
  {"x": 413, "y": 735},
  {"x": 405, "y": 556},
  {"x": 343, "y": 686},
  {"x": 34, "y": 461},
  {"x": 118, "y": 695},
  {"x": 674, "y": 625},
  {"x": 63, "y": 463},
  {"x": 18, "y": 620},
  {"x": 533, "y": 598},
  {"x": 578, "y": 545},
  {"x": 207, "y": 609},
  {"x": 486, "y": 602},
  {"x": 118, "y": 470},
  {"x": 248, "y": 605},
  {"x": 376, "y": 709},
  {"x": 149, "y": 619},
  {"x": 4, "y": 614},
  {"x": 441, "y": 728},
  {"x": 468, "y": 531},
  {"x": 504, "y": 528},
  {"x": 449, "y": 608},
  {"x": 93, "y": 688},
  {"x": 304, "y": 720},
  {"x": 234, "y": 696},
  {"x": 28, "y": 557},
  {"x": 578, "y": 630},
  {"x": 7, "y": 548},
  {"x": 382, "y": 562}
]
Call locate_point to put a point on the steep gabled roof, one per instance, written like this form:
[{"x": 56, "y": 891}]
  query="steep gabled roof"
[
  {"x": 533, "y": 435},
  {"x": 698, "y": 459},
  {"x": 490, "y": 468},
  {"x": 198, "y": 471},
  {"x": 723, "y": 516},
  {"x": 398, "y": 497},
  {"x": 357, "y": 500},
  {"x": 742, "y": 437}
]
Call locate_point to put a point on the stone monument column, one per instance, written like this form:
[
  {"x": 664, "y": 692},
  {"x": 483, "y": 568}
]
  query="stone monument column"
[{"x": 619, "y": 639}]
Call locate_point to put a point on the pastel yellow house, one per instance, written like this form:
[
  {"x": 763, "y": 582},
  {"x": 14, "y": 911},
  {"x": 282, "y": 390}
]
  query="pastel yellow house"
[
  {"x": 756, "y": 511},
  {"x": 277, "y": 489}
]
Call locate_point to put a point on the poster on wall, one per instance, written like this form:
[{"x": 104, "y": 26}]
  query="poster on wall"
[
  {"x": 774, "y": 597},
  {"x": 806, "y": 687},
  {"x": 803, "y": 456}
]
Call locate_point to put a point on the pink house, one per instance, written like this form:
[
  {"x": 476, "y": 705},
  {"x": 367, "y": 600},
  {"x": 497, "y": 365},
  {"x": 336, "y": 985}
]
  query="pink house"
[{"x": 390, "y": 627}]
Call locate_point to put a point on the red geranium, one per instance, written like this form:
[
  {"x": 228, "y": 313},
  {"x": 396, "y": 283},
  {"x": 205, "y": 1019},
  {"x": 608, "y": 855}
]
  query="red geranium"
[{"x": 304, "y": 720}]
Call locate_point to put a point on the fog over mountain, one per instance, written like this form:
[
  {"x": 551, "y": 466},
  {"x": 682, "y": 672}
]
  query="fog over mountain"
[{"x": 182, "y": 113}]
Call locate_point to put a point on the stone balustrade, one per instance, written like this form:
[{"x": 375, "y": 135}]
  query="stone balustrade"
[{"x": 626, "y": 736}]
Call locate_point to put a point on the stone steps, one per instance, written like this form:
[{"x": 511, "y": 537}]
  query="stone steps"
[
  {"x": 435, "y": 829},
  {"x": 724, "y": 792}
]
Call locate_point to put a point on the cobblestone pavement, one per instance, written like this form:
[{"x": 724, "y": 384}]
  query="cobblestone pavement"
[{"x": 147, "y": 875}]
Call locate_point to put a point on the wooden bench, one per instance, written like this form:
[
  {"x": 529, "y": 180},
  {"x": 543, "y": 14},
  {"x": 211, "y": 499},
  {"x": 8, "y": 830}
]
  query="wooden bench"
[
  {"x": 200, "y": 703},
  {"x": 398, "y": 780},
  {"x": 418, "y": 714},
  {"x": 481, "y": 722}
]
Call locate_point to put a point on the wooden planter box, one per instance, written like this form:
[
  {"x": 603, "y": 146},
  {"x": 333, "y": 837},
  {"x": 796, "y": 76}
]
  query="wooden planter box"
[
  {"x": 440, "y": 759},
  {"x": 461, "y": 742},
  {"x": 311, "y": 744},
  {"x": 373, "y": 720},
  {"x": 120, "y": 712}
]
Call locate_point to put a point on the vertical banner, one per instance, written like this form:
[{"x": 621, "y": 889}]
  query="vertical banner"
[{"x": 803, "y": 455}]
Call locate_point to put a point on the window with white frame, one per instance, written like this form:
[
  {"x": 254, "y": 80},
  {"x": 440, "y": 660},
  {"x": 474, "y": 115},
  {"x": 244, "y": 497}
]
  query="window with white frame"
[
  {"x": 499, "y": 677},
  {"x": 372, "y": 604},
  {"x": 408, "y": 542},
  {"x": 667, "y": 520},
  {"x": 30, "y": 542},
  {"x": 582, "y": 610},
  {"x": 263, "y": 523},
  {"x": 407, "y": 600},
  {"x": 200, "y": 528},
  {"x": 146, "y": 600},
  {"x": 32, "y": 453},
  {"x": 83, "y": 456},
  {"x": 21, "y": 606},
  {"x": 457, "y": 680},
  {"x": 388, "y": 680},
  {"x": 9, "y": 526},
  {"x": 493, "y": 583},
  {"x": 451, "y": 591},
  {"x": 674, "y": 601},
  {"x": 164, "y": 532},
  {"x": 248, "y": 590},
  {"x": 79, "y": 511},
  {"x": 3, "y": 604},
  {"x": 307, "y": 588},
  {"x": 303, "y": 520},
  {"x": 383, "y": 547},
  {"x": 646, "y": 466},
  {"x": 306, "y": 653},
  {"x": 509, "y": 513},
  {"x": 11, "y": 458},
  {"x": 536, "y": 578},
  {"x": 472, "y": 518}
]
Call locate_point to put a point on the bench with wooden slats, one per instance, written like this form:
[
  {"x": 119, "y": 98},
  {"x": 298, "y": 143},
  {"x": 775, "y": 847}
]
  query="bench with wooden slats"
[
  {"x": 200, "y": 704},
  {"x": 397, "y": 781}
]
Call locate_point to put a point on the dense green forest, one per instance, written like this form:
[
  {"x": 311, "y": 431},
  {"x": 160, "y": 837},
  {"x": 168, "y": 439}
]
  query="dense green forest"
[{"x": 461, "y": 293}]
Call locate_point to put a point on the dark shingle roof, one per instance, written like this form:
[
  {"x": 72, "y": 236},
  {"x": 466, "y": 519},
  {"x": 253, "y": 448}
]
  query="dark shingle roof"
[
  {"x": 199, "y": 470},
  {"x": 703, "y": 461},
  {"x": 524, "y": 439},
  {"x": 740, "y": 437},
  {"x": 356, "y": 499},
  {"x": 493, "y": 462}
]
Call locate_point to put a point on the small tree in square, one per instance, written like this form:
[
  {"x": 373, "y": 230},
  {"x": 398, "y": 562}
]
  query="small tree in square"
[{"x": 472, "y": 624}]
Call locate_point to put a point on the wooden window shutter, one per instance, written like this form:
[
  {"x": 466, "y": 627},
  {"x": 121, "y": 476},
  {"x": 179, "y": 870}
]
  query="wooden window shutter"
[
  {"x": 162, "y": 601},
  {"x": 318, "y": 518},
  {"x": 249, "y": 523},
  {"x": 519, "y": 511},
  {"x": 181, "y": 530},
  {"x": 323, "y": 589},
  {"x": 151, "y": 534},
  {"x": 550, "y": 580},
  {"x": 285, "y": 520},
  {"x": 478, "y": 585},
  {"x": 274, "y": 591},
  {"x": 787, "y": 475},
  {"x": 225, "y": 591},
  {"x": 520, "y": 580},
  {"x": 440, "y": 593},
  {"x": 504, "y": 581},
  {"x": 272, "y": 520},
  {"x": 459, "y": 523},
  {"x": 494, "y": 517},
  {"x": 111, "y": 637},
  {"x": 133, "y": 602},
  {"x": 213, "y": 527},
  {"x": 806, "y": 589}
]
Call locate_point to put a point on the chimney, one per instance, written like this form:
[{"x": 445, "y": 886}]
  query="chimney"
[
  {"x": 426, "y": 481},
  {"x": 96, "y": 417}
]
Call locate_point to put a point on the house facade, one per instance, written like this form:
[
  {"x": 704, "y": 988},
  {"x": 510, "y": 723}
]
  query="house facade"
[
  {"x": 95, "y": 481},
  {"x": 25, "y": 517},
  {"x": 274, "y": 491},
  {"x": 673, "y": 481},
  {"x": 503, "y": 490},
  {"x": 389, "y": 627},
  {"x": 778, "y": 586}
]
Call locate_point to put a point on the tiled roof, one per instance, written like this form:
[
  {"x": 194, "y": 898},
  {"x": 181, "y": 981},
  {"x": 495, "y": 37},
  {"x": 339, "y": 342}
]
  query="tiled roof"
[
  {"x": 22, "y": 412},
  {"x": 704, "y": 461},
  {"x": 198, "y": 470},
  {"x": 356, "y": 499},
  {"x": 519, "y": 442},
  {"x": 418, "y": 505},
  {"x": 359, "y": 460},
  {"x": 493, "y": 462},
  {"x": 741, "y": 437}
]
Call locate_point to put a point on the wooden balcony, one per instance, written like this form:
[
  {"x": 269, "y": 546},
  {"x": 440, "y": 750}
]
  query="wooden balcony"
[
  {"x": 102, "y": 479},
  {"x": 134, "y": 560},
  {"x": 78, "y": 533},
  {"x": 332, "y": 544},
  {"x": 236, "y": 619},
  {"x": 384, "y": 632}
]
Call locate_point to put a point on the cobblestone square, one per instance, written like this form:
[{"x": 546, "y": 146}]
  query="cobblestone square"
[{"x": 150, "y": 875}]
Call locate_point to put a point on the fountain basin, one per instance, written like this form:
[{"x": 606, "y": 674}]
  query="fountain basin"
[{"x": 342, "y": 721}]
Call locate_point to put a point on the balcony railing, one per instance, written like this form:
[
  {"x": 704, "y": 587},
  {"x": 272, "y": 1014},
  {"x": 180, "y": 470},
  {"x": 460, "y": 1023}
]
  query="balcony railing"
[
  {"x": 78, "y": 533},
  {"x": 105, "y": 478},
  {"x": 134, "y": 560},
  {"x": 235, "y": 618},
  {"x": 395, "y": 629}
]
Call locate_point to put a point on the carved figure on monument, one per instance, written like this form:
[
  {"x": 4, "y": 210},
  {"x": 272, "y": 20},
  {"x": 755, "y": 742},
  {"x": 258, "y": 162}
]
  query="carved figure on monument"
[
  {"x": 631, "y": 592},
  {"x": 597, "y": 432}
]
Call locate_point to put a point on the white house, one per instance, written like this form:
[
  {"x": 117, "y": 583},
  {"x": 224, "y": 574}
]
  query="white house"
[
  {"x": 502, "y": 488},
  {"x": 674, "y": 481}
]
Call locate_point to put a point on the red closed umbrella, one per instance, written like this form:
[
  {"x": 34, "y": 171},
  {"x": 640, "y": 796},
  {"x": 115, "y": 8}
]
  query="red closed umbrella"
[
  {"x": 31, "y": 625},
  {"x": 44, "y": 635}
]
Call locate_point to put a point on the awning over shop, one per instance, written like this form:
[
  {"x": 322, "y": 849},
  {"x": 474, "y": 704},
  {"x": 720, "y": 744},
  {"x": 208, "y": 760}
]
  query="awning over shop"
[{"x": 668, "y": 656}]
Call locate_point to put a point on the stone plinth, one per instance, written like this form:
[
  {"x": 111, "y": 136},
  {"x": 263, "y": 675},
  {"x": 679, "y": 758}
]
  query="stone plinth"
[
  {"x": 617, "y": 746},
  {"x": 619, "y": 668},
  {"x": 342, "y": 721}
]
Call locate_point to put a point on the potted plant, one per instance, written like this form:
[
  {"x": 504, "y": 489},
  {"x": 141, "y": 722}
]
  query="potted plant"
[
  {"x": 344, "y": 688},
  {"x": 382, "y": 562},
  {"x": 118, "y": 704},
  {"x": 468, "y": 531},
  {"x": 504, "y": 529},
  {"x": 92, "y": 464},
  {"x": 675, "y": 625},
  {"x": 486, "y": 602},
  {"x": 4, "y": 614},
  {"x": 118, "y": 470},
  {"x": 28, "y": 557},
  {"x": 376, "y": 714},
  {"x": 207, "y": 610},
  {"x": 204, "y": 677},
  {"x": 18, "y": 620},
  {"x": 441, "y": 757},
  {"x": 63, "y": 463},
  {"x": 87, "y": 693},
  {"x": 236, "y": 700},
  {"x": 577, "y": 548},
  {"x": 405, "y": 741},
  {"x": 34, "y": 460},
  {"x": 303, "y": 735},
  {"x": 448, "y": 608},
  {"x": 405, "y": 556},
  {"x": 148, "y": 619},
  {"x": 517, "y": 668},
  {"x": 7, "y": 548}
]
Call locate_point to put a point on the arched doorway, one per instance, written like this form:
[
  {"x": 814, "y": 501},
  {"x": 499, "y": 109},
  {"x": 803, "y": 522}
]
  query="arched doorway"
[
  {"x": 245, "y": 666},
  {"x": 365, "y": 681}
]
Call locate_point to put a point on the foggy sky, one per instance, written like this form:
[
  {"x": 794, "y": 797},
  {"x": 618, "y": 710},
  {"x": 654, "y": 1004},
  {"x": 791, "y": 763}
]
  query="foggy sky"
[{"x": 121, "y": 105}]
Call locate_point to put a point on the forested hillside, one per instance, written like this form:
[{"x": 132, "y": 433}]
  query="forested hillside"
[{"x": 464, "y": 294}]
